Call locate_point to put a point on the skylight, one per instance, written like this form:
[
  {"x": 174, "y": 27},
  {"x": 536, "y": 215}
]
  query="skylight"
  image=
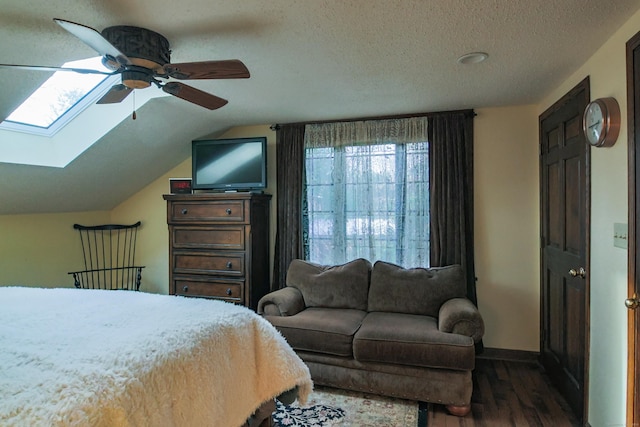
[{"x": 59, "y": 99}]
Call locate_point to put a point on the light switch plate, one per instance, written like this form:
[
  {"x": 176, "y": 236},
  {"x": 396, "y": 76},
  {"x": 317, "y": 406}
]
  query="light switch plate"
[{"x": 620, "y": 235}]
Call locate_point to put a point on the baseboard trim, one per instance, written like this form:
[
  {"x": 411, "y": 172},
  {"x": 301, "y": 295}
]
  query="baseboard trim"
[{"x": 511, "y": 355}]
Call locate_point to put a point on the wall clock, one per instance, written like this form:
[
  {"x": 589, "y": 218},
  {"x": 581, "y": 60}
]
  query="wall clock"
[{"x": 601, "y": 122}]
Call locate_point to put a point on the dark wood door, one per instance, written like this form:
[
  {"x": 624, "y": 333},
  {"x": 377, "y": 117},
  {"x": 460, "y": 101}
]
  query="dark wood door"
[
  {"x": 564, "y": 236},
  {"x": 633, "y": 99}
]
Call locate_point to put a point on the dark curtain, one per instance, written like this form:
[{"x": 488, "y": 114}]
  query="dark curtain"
[
  {"x": 451, "y": 192},
  {"x": 290, "y": 185}
]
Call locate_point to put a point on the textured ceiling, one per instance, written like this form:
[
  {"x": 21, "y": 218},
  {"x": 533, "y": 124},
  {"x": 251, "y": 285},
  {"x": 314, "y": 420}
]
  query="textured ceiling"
[{"x": 309, "y": 60}]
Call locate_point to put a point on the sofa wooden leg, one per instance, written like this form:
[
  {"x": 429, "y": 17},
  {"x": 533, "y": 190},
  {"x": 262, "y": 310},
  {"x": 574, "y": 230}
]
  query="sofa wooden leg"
[{"x": 459, "y": 411}]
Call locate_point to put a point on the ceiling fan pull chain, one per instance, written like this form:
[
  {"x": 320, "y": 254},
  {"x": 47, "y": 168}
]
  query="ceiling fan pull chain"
[{"x": 133, "y": 116}]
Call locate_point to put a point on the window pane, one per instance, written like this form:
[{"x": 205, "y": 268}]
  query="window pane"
[
  {"x": 370, "y": 202},
  {"x": 58, "y": 94}
]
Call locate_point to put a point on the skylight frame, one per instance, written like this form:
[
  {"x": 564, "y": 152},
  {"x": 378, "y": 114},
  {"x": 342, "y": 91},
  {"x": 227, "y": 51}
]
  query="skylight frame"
[{"x": 59, "y": 123}]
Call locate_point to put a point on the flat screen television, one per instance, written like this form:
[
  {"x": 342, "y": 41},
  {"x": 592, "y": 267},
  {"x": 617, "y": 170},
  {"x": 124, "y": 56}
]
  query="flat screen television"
[{"x": 238, "y": 164}]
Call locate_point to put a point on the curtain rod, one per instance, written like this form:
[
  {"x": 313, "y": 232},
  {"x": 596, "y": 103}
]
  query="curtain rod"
[{"x": 364, "y": 119}]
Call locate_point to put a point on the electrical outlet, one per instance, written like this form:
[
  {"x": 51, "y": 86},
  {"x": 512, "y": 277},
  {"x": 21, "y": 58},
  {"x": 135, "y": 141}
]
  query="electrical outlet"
[{"x": 620, "y": 235}]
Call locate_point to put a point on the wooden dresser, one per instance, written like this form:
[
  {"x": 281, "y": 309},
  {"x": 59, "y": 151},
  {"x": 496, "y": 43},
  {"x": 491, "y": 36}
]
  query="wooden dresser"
[{"x": 219, "y": 246}]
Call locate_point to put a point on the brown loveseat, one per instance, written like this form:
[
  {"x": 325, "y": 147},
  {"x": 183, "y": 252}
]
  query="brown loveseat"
[{"x": 405, "y": 333}]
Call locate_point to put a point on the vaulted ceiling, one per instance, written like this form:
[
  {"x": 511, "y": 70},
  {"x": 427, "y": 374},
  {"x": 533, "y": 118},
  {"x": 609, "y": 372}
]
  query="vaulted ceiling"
[{"x": 309, "y": 60}]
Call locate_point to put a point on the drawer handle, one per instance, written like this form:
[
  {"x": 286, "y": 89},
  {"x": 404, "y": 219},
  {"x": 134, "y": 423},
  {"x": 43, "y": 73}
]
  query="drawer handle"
[
  {"x": 228, "y": 211},
  {"x": 184, "y": 211},
  {"x": 185, "y": 289},
  {"x": 229, "y": 265},
  {"x": 229, "y": 291}
]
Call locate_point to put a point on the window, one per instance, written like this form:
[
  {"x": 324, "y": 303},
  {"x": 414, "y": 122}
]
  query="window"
[
  {"x": 369, "y": 201},
  {"x": 59, "y": 99}
]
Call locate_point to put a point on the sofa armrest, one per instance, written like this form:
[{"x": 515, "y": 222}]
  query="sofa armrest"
[
  {"x": 460, "y": 316},
  {"x": 283, "y": 302}
]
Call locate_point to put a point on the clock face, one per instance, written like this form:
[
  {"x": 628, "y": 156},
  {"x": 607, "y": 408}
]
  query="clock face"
[{"x": 594, "y": 123}]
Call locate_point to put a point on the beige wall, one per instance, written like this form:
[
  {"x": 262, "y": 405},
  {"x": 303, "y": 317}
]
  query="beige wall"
[
  {"x": 39, "y": 250},
  {"x": 608, "y": 266},
  {"x": 506, "y": 226}
]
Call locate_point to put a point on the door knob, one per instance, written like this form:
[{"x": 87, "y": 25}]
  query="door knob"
[
  {"x": 632, "y": 303},
  {"x": 581, "y": 272}
]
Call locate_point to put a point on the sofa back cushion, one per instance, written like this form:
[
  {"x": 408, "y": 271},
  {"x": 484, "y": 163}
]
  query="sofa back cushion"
[
  {"x": 337, "y": 286},
  {"x": 414, "y": 290}
]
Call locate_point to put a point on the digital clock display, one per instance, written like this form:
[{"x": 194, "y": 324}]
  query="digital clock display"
[{"x": 180, "y": 185}]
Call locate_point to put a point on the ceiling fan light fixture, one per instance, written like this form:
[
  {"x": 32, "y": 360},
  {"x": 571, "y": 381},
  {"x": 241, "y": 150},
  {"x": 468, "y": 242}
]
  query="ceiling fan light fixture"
[
  {"x": 473, "y": 58},
  {"x": 134, "y": 79}
]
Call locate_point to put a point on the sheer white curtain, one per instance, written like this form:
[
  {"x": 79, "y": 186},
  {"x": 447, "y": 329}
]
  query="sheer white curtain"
[{"x": 367, "y": 191}]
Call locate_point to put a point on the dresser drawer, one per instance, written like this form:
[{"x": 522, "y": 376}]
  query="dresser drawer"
[
  {"x": 212, "y": 211},
  {"x": 226, "y": 238},
  {"x": 192, "y": 287},
  {"x": 219, "y": 263}
]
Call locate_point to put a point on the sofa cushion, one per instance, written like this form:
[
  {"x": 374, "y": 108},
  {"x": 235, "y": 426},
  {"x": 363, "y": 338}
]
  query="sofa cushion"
[
  {"x": 321, "y": 330},
  {"x": 414, "y": 290},
  {"x": 338, "y": 286},
  {"x": 412, "y": 340}
]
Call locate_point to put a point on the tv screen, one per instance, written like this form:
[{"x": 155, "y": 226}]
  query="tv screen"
[{"x": 229, "y": 164}]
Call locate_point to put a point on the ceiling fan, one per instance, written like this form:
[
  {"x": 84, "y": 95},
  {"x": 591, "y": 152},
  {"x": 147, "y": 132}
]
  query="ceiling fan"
[{"x": 142, "y": 57}]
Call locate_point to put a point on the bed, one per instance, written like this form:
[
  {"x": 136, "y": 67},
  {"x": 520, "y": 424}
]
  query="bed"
[{"x": 80, "y": 357}]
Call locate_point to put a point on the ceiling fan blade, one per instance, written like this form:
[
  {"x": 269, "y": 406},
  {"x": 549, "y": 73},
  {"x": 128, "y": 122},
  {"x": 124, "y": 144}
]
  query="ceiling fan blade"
[
  {"x": 228, "y": 69},
  {"x": 116, "y": 94},
  {"x": 95, "y": 40},
  {"x": 45, "y": 68},
  {"x": 194, "y": 95}
]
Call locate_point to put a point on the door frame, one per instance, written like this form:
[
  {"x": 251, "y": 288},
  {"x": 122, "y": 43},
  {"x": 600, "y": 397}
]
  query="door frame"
[
  {"x": 633, "y": 319},
  {"x": 584, "y": 85}
]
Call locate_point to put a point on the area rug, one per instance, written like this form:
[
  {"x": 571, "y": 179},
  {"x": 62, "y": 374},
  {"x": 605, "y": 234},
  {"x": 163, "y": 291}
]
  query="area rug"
[{"x": 330, "y": 407}]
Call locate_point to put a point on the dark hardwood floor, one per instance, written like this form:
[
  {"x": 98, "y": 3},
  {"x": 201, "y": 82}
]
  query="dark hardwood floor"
[{"x": 509, "y": 393}]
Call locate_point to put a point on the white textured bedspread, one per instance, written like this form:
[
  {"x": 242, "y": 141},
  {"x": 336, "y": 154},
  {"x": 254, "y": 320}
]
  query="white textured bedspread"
[{"x": 76, "y": 357}]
